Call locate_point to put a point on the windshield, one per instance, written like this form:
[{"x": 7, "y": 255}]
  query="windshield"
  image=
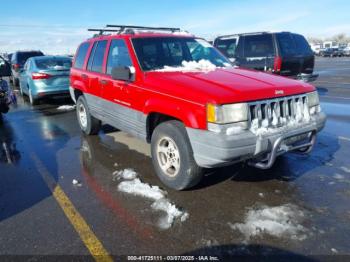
[
  {"x": 293, "y": 44},
  {"x": 53, "y": 63},
  {"x": 156, "y": 53}
]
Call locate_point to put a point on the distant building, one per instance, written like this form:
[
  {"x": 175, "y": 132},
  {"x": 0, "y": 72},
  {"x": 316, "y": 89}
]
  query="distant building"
[
  {"x": 330, "y": 44},
  {"x": 316, "y": 47}
]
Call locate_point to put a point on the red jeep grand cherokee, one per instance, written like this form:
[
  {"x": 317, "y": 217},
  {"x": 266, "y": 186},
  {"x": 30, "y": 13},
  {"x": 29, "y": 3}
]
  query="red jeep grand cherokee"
[{"x": 180, "y": 94}]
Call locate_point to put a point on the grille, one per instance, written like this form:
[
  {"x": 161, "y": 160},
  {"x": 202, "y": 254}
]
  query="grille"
[{"x": 278, "y": 112}]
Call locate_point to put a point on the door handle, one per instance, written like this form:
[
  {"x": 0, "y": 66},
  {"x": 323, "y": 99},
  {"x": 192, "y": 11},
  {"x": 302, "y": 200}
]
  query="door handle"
[
  {"x": 103, "y": 82},
  {"x": 84, "y": 76}
]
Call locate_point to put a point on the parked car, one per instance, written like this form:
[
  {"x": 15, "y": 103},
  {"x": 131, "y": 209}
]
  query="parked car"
[
  {"x": 283, "y": 53},
  {"x": 181, "y": 95},
  {"x": 8, "y": 57},
  {"x": 331, "y": 52},
  {"x": 18, "y": 60},
  {"x": 5, "y": 92},
  {"x": 44, "y": 76},
  {"x": 347, "y": 51}
]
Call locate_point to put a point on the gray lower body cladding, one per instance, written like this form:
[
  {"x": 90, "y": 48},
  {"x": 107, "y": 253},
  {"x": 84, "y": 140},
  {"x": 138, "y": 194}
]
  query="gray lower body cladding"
[
  {"x": 121, "y": 117},
  {"x": 214, "y": 150}
]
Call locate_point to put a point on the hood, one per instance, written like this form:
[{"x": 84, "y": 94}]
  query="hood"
[{"x": 223, "y": 86}]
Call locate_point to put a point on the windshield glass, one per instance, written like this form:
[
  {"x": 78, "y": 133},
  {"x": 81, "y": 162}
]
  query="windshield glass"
[
  {"x": 156, "y": 53},
  {"x": 293, "y": 44},
  {"x": 53, "y": 63}
]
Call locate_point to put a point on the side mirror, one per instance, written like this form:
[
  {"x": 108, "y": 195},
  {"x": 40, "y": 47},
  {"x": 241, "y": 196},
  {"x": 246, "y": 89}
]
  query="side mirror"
[
  {"x": 5, "y": 69},
  {"x": 125, "y": 73}
]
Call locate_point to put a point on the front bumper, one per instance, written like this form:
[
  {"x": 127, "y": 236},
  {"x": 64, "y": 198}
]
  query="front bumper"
[
  {"x": 214, "y": 149},
  {"x": 307, "y": 77}
]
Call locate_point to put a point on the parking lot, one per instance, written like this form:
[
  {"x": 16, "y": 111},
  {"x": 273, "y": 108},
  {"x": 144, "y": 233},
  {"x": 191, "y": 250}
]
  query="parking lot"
[{"x": 61, "y": 192}]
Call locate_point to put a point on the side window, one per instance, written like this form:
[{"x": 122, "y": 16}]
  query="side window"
[
  {"x": 227, "y": 46},
  {"x": 97, "y": 55},
  {"x": 118, "y": 55},
  {"x": 91, "y": 57},
  {"x": 80, "y": 56},
  {"x": 258, "y": 46}
]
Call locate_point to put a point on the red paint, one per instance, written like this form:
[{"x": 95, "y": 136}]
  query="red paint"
[{"x": 183, "y": 95}]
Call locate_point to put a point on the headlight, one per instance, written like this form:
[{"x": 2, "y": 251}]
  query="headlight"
[
  {"x": 225, "y": 114},
  {"x": 313, "y": 102}
]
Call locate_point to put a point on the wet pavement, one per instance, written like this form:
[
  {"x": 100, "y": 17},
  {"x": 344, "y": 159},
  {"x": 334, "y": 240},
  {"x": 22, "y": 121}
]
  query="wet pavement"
[{"x": 300, "y": 207}]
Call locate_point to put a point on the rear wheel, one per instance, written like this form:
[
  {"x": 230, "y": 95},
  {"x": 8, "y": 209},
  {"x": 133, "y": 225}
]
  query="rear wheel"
[
  {"x": 88, "y": 124},
  {"x": 15, "y": 81},
  {"x": 33, "y": 101},
  {"x": 172, "y": 156}
]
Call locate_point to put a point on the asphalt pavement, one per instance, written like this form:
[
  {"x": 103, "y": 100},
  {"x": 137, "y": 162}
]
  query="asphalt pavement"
[{"x": 60, "y": 191}]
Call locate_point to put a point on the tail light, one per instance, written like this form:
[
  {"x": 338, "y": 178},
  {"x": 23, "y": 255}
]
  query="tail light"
[
  {"x": 277, "y": 64},
  {"x": 15, "y": 67},
  {"x": 37, "y": 76}
]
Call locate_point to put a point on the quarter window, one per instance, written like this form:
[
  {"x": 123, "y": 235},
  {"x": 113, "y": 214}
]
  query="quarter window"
[
  {"x": 118, "y": 55},
  {"x": 81, "y": 54},
  {"x": 258, "y": 46}
]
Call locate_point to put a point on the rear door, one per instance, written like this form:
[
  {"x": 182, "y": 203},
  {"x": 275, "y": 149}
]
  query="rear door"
[
  {"x": 95, "y": 70},
  {"x": 258, "y": 52},
  {"x": 297, "y": 56}
]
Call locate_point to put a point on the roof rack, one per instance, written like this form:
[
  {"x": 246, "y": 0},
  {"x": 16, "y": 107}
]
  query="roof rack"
[
  {"x": 101, "y": 31},
  {"x": 130, "y": 28},
  {"x": 252, "y": 33}
]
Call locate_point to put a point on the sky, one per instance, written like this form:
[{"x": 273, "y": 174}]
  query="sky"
[{"x": 57, "y": 27}]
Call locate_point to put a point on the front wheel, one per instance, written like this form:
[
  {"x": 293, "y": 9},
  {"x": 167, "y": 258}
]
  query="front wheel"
[
  {"x": 88, "y": 124},
  {"x": 172, "y": 156}
]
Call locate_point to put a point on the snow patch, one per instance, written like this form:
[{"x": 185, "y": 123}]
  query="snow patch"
[
  {"x": 66, "y": 107},
  {"x": 345, "y": 169},
  {"x": 279, "y": 221},
  {"x": 133, "y": 185},
  {"x": 127, "y": 174},
  {"x": 172, "y": 213},
  {"x": 338, "y": 176},
  {"x": 190, "y": 66},
  {"x": 76, "y": 182},
  {"x": 138, "y": 188}
]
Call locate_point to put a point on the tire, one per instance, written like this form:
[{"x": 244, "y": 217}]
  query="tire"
[
  {"x": 170, "y": 146},
  {"x": 15, "y": 81},
  {"x": 21, "y": 90},
  {"x": 32, "y": 100},
  {"x": 88, "y": 124}
]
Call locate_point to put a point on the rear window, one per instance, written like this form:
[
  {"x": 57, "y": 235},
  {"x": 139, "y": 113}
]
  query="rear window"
[
  {"x": 81, "y": 54},
  {"x": 23, "y": 56},
  {"x": 258, "y": 46},
  {"x": 293, "y": 44},
  {"x": 227, "y": 46},
  {"x": 53, "y": 63}
]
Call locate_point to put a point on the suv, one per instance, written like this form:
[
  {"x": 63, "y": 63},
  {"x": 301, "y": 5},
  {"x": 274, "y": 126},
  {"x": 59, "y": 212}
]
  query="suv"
[
  {"x": 284, "y": 53},
  {"x": 18, "y": 60},
  {"x": 181, "y": 95}
]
